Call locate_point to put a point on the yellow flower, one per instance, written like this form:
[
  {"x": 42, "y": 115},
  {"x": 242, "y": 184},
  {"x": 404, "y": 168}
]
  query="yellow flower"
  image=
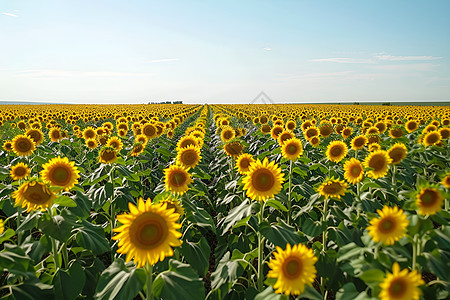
[
  {"x": 243, "y": 162},
  {"x": 397, "y": 153},
  {"x": 411, "y": 126},
  {"x": 263, "y": 180},
  {"x": 186, "y": 141},
  {"x": 233, "y": 149},
  {"x": 336, "y": 151},
  {"x": 149, "y": 130},
  {"x": 358, "y": 142},
  {"x": 55, "y": 134},
  {"x": 333, "y": 188},
  {"x": 91, "y": 143},
  {"x": 138, "y": 148},
  {"x": 401, "y": 285},
  {"x": 389, "y": 227},
  {"x": 293, "y": 268},
  {"x": 177, "y": 179},
  {"x": 353, "y": 171},
  {"x": 148, "y": 232},
  {"x": 2, "y": 226},
  {"x": 34, "y": 195},
  {"x": 446, "y": 181},
  {"x": 60, "y": 172},
  {"x": 23, "y": 145},
  {"x": 89, "y": 133},
  {"x": 292, "y": 149},
  {"x": 429, "y": 201},
  {"x": 107, "y": 155},
  {"x": 115, "y": 142},
  {"x": 188, "y": 157},
  {"x": 19, "y": 171},
  {"x": 379, "y": 162},
  {"x": 7, "y": 146},
  {"x": 36, "y": 135},
  {"x": 431, "y": 138},
  {"x": 227, "y": 134}
]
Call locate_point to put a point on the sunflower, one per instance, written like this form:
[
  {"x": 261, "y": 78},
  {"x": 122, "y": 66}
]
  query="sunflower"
[
  {"x": 326, "y": 130},
  {"x": 284, "y": 136},
  {"x": 397, "y": 153},
  {"x": 188, "y": 157},
  {"x": 346, "y": 132},
  {"x": 23, "y": 145},
  {"x": 336, "y": 151},
  {"x": 115, "y": 142},
  {"x": 411, "y": 125},
  {"x": 311, "y": 132},
  {"x": 431, "y": 138},
  {"x": 227, "y": 134},
  {"x": 290, "y": 125},
  {"x": 315, "y": 141},
  {"x": 150, "y": 131},
  {"x": 243, "y": 162},
  {"x": 7, "y": 146},
  {"x": 265, "y": 128},
  {"x": 353, "y": 171},
  {"x": 91, "y": 143},
  {"x": 138, "y": 148},
  {"x": 445, "y": 133},
  {"x": 379, "y": 162},
  {"x": 148, "y": 232},
  {"x": 19, "y": 171},
  {"x": 446, "y": 181},
  {"x": 60, "y": 172},
  {"x": 429, "y": 201},
  {"x": 89, "y": 133},
  {"x": 36, "y": 135},
  {"x": 374, "y": 147},
  {"x": 389, "y": 227},
  {"x": 107, "y": 155},
  {"x": 263, "y": 180},
  {"x": 2, "y": 226},
  {"x": 186, "y": 141},
  {"x": 173, "y": 203},
  {"x": 292, "y": 149},
  {"x": 333, "y": 188},
  {"x": 401, "y": 285},
  {"x": 396, "y": 132},
  {"x": 233, "y": 149},
  {"x": 34, "y": 195},
  {"x": 141, "y": 138},
  {"x": 358, "y": 142},
  {"x": 293, "y": 268},
  {"x": 276, "y": 131},
  {"x": 177, "y": 179}
]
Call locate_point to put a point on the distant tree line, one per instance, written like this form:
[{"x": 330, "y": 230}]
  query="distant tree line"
[{"x": 167, "y": 102}]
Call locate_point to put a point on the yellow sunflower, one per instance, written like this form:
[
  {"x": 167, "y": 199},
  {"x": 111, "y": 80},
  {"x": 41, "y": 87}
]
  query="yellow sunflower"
[
  {"x": 311, "y": 132},
  {"x": 60, "y": 172},
  {"x": 227, "y": 134},
  {"x": 243, "y": 162},
  {"x": 358, "y": 142},
  {"x": 55, "y": 134},
  {"x": 446, "y": 181},
  {"x": 333, "y": 188},
  {"x": 141, "y": 138},
  {"x": 276, "y": 131},
  {"x": 397, "y": 153},
  {"x": 91, "y": 143},
  {"x": 177, "y": 179},
  {"x": 431, "y": 138},
  {"x": 429, "y": 201},
  {"x": 389, "y": 227},
  {"x": 7, "y": 146},
  {"x": 107, "y": 155},
  {"x": 148, "y": 232},
  {"x": 336, "y": 151},
  {"x": 150, "y": 131},
  {"x": 186, "y": 141},
  {"x": 115, "y": 142},
  {"x": 34, "y": 195},
  {"x": 401, "y": 285},
  {"x": 284, "y": 136},
  {"x": 353, "y": 171},
  {"x": 2, "y": 226},
  {"x": 292, "y": 149},
  {"x": 19, "y": 171},
  {"x": 89, "y": 133},
  {"x": 411, "y": 126},
  {"x": 36, "y": 135},
  {"x": 23, "y": 145},
  {"x": 378, "y": 162},
  {"x": 188, "y": 157},
  {"x": 173, "y": 203},
  {"x": 138, "y": 148},
  {"x": 293, "y": 268},
  {"x": 315, "y": 141},
  {"x": 233, "y": 149},
  {"x": 263, "y": 180},
  {"x": 445, "y": 133}
]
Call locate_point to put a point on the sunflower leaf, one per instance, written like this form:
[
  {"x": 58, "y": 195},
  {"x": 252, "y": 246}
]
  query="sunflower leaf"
[{"x": 65, "y": 201}]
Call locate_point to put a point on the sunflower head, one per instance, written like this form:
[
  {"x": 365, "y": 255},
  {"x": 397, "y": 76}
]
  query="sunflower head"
[
  {"x": 91, "y": 143},
  {"x": 34, "y": 194},
  {"x": 431, "y": 138},
  {"x": 284, "y": 136},
  {"x": 290, "y": 125},
  {"x": 243, "y": 162},
  {"x": 315, "y": 141},
  {"x": 19, "y": 171},
  {"x": 401, "y": 285},
  {"x": 353, "y": 171},
  {"x": 23, "y": 145},
  {"x": 396, "y": 132},
  {"x": 446, "y": 181},
  {"x": 276, "y": 131},
  {"x": 263, "y": 180},
  {"x": 358, "y": 142},
  {"x": 89, "y": 133},
  {"x": 429, "y": 200},
  {"x": 389, "y": 227},
  {"x": 333, "y": 188},
  {"x": 411, "y": 126},
  {"x": 311, "y": 132},
  {"x": 177, "y": 179},
  {"x": 293, "y": 268},
  {"x": 60, "y": 172},
  {"x": 115, "y": 142},
  {"x": 150, "y": 131},
  {"x": 188, "y": 157},
  {"x": 7, "y": 146},
  {"x": 265, "y": 128},
  {"x": 336, "y": 151},
  {"x": 107, "y": 155},
  {"x": 227, "y": 134},
  {"x": 148, "y": 232},
  {"x": 233, "y": 149},
  {"x": 36, "y": 135},
  {"x": 326, "y": 130},
  {"x": 445, "y": 133},
  {"x": 292, "y": 149},
  {"x": 187, "y": 141},
  {"x": 378, "y": 163},
  {"x": 397, "y": 153}
]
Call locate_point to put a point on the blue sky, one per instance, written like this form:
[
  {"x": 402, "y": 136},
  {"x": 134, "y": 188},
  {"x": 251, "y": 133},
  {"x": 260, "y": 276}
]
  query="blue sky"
[{"x": 88, "y": 51}]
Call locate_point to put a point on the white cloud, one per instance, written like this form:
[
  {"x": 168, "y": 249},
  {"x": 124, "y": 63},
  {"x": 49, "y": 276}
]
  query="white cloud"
[
  {"x": 407, "y": 67},
  {"x": 406, "y": 58},
  {"x": 162, "y": 60},
  {"x": 267, "y": 48},
  {"x": 9, "y": 14},
  {"x": 345, "y": 60},
  {"x": 43, "y": 73}
]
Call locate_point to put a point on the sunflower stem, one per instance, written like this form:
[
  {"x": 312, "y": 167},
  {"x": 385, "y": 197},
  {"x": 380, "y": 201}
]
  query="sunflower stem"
[
  {"x": 394, "y": 182},
  {"x": 19, "y": 221},
  {"x": 55, "y": 253},
  {"x": 324, "y": 223},
  {"x": 260, "y": 250},
  {"x": 65, "y": 255},
  {"x": 289, "y": 195},
  {"x": 414, "y": 254},
  {"x": 149, "y": 274}
]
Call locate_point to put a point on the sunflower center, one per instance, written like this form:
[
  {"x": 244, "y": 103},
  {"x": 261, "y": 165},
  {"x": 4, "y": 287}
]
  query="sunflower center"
[
  {"x": 356, "y": 170},
  {"x": 36, "y": 194},
  {"x": 291, "y": 149},
  {"x": 20, "y": 171},
  {"x": 149, "y": 230},
  {"x": 149, "y": 130},
  {"x": 359, "y": 142},
  {"x": 245, "y": 163},
  {"x": 397, "y": 288},
  {"x": 23, "y": 145},
  {"x": 386, "y": 225},
  {"x": 335, "y": 151},
  {"x": 428, "y": 198},
  {"x": 60, "y": 175},
  {"x": 188, "y": 158},
  {"x": 292, "y": 268},
  {"x": 228, "y": 134},
  {"x": 377, "y": 162},
  {"x": 263, "y": 180},
  {"x": 108, "y": 155},
  {"x": 115, "y": 145},
  {"x": 332, "y": 188},
  {"x": 178, "y": 179},
  {"x": 89, "y": 134},
  {"x": 432, "y": 138}
]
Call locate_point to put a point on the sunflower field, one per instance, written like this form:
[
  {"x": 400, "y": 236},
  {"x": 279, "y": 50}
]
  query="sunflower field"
[{"x": 224, "y": 202}]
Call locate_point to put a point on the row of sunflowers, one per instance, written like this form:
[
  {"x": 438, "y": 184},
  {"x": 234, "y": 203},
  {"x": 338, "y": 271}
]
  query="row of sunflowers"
[{"x": 242, "y": 202}]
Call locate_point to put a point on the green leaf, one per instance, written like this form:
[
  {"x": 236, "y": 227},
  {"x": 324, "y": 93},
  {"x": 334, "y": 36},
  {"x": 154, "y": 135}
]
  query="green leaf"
[
  {"x": 58, "y": 227},
  {"x": 226, "y": 272},
  {"x": 65, "y": 201},
  {"x": 280, "y": 235},
  {"x": 276, "y": 204},
  {"x": 14, "y": 260},
  {"x": 312, "y": 228},
  {"x": 179, "y": 282},
  {"x": 33, "y": 289},
  {"x": 197, "y": 255},
  {"x": 7, "y": 234},
  {"x": 372, "y": 277},
  {"x": 311, "y": 293},
  {"x": 236, "y": 214},
  {"x": 164, "y": 152},
  {"x": 92, "y": 237},
  {"x": 120, "y": 281},
  {"x": 68, "y": 284},
  {"x": 269, "y": 294}
]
